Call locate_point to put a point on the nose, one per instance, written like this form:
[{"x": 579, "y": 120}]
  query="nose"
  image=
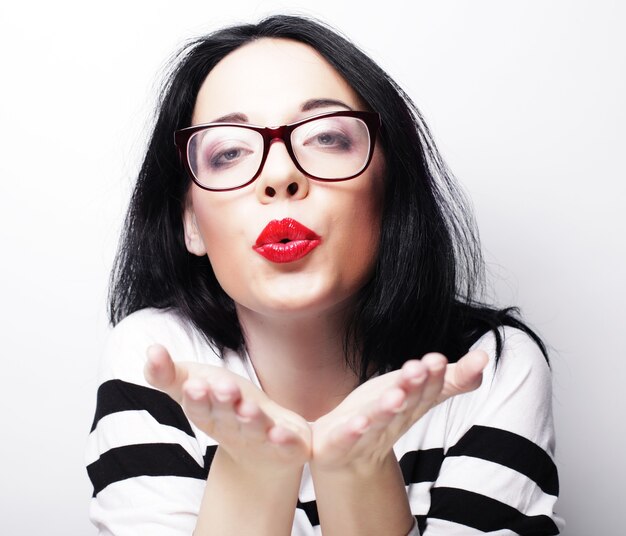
[{"x": 280, "y": 178}]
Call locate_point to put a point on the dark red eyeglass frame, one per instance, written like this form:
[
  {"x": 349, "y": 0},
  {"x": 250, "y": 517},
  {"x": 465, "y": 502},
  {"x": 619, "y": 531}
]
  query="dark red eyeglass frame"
[{"x": 282, "y": 133}]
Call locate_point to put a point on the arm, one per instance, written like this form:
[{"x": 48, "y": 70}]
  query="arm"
[
  {"x": 358, "y": 482},
  {"x": 253, "y": 483},
  {"x": 497, "y": 472},
  {"x": 363, "y": 502},
  {"x": 148, "y": 463},
  {"x": 237, "y": 501},
  {"x": 145, "y": 463}
]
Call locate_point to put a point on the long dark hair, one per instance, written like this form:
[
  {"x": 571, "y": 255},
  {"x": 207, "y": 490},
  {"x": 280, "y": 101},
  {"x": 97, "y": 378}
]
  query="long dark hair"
[{"x": 424, "y": 293}]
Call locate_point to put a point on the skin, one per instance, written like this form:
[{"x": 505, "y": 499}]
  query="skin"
[
  {"x": 346, "y": 215},
  {"x": 311, "y": 408}
]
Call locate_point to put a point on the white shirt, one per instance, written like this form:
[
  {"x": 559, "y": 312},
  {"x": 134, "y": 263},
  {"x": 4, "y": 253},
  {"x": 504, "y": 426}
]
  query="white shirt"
[{"x": 479, "y": 462}]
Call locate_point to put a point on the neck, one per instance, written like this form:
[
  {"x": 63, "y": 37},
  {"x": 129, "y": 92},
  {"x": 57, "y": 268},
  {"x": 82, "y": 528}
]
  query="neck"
[{"x": 299, "y": 360}]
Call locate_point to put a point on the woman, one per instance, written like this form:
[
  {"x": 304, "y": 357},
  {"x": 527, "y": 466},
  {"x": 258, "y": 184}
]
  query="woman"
[{"x": 290, "y": 268}]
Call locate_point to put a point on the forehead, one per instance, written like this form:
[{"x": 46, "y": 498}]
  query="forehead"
[{"x": 268, "y": 80}]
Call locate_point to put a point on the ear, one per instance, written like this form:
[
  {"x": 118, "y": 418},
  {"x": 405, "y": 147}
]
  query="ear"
[{"x": 193, "y": 238}]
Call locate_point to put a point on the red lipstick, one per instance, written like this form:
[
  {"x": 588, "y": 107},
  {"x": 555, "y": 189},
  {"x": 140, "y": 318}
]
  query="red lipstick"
[{"x": 285, "y": 240}]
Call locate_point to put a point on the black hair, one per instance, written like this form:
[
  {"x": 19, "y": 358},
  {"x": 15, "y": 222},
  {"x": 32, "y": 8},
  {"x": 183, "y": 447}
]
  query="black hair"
[{"x": 424, "y": 293}]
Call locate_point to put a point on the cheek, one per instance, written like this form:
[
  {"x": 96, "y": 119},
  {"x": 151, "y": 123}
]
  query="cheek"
[
  {"x": 363, "y": 248},
  {"x": 370, "y": 206},
  {"x": 361, "y": 230},
  {"x": 220, "y": 225}
]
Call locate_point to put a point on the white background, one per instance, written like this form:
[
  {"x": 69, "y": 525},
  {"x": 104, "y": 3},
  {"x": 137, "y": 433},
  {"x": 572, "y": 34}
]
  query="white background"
[{"x": 526, "y": 100}]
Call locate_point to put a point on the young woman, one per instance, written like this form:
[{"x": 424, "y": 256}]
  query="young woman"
[{"x": 292, "y": 273}]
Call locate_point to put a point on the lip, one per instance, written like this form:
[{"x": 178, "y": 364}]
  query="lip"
[{"x": 286, "y": 240}]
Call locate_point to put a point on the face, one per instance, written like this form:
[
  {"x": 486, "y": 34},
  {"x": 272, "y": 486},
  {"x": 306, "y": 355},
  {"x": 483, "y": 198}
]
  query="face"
[{"x": 274, "y": 82}]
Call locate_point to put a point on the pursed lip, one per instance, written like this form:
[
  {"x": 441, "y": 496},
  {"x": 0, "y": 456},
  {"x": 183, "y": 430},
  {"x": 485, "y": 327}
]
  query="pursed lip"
[{"x": 286, "y": 240}]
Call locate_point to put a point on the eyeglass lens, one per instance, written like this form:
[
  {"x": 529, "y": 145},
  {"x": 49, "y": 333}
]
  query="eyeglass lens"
[{"x": 326, "y": 148}]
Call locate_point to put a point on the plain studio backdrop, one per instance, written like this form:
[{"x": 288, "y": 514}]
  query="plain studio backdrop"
[{"x": 526, "y": 101}]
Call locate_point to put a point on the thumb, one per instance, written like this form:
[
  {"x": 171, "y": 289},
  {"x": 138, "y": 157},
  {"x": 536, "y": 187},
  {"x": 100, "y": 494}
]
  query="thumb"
[
  {"x": 161, "y": 372},
  {"x": 465, "y": 375}
]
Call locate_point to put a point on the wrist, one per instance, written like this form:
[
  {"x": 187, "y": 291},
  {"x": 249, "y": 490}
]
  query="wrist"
[
  {"x": 248, "y": 467},
  {"x": 267, "y": 497},
  {"x": 359, "y": 469},
  {"x": 363, "y": 498}
]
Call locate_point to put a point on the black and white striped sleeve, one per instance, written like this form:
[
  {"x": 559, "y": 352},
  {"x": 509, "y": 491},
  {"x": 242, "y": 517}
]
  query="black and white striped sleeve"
[
  {"x": 483, "y": 462},
  {"x": 147, "y": 466},
  {"x": 497, "y": 472}
]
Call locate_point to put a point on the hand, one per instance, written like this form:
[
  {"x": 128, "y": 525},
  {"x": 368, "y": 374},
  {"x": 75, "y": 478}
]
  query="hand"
[
  {"x": 256, "y": 432},
  {"x": 359, "y": 433}
]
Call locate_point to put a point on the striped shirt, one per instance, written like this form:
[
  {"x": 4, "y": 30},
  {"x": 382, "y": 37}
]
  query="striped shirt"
[{"x": 479, "y": 462}]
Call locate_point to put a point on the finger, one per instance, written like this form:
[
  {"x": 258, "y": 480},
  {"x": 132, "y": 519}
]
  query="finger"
[
  {"x": 374, "y": 419},
  {"x": 161, "y": 372},
  {"x": 197, "y": 404},
  {"x": 434, "y": 362},
  {"x": 283, "y": 436},
  {"x": 159, "y": 367},
  {"x": 419, "y": 384},
  {"x": 224, "y": 396},
  {"x": 404, "y": 395},
  {"x": 289, "y": 443},
  {"x": 413, "y": 377},
  {"x": 382, "y": 417},
  {"x": 219, "y": 411},
  {"x": 205, "y": 410},
  {"x": 393, "y": 401},
  {"x": 465, "y": 375},
  {"x": 344, "y": 436},
  {"x": 225, "y": 392},
  {"x": 253, "y": 421},
  {"x": 436, "y": 365}
]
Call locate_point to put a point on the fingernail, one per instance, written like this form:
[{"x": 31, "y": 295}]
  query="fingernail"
[
  {"x": 221, "y": 396},
  {"x": 416, "y": 380},
  {"x": 195, "y": 393},
  {"x": 438, "y": 366}
]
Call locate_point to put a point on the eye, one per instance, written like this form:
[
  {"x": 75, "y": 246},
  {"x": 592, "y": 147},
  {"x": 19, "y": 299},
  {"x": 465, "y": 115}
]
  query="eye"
[
  {"x": 227, "y": 155},
  {"x": 328, "y": 139}
]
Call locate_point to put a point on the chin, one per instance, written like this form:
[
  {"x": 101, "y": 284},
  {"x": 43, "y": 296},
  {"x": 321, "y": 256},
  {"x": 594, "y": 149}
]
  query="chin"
[{"x": 294, "y": 303}]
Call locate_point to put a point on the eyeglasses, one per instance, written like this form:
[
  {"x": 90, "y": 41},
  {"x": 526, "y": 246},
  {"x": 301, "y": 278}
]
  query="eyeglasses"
[{"x": 335, "y": 146}]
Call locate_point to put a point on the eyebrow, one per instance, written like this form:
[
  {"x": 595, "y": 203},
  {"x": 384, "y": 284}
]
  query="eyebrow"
[
  {"x": 313, "y": 104},
  {"x": 307, "y": 106},
  {"x": 232, "y": 118}
]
